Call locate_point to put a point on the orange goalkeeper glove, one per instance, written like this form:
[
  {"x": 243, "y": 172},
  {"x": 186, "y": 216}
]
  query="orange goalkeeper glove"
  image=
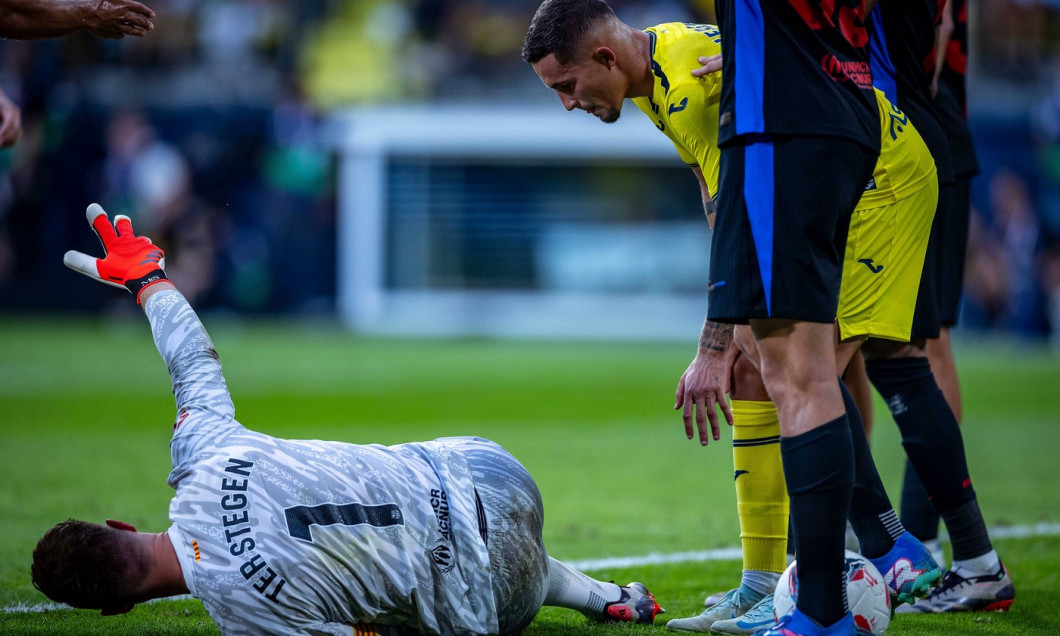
[{"x": 131, "y": 262}]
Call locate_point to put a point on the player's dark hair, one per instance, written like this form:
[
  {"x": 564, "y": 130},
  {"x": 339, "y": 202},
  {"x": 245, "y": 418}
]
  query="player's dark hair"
[
  {"x": 559, "y": 26},
  {"x": 87, "y": 565}
]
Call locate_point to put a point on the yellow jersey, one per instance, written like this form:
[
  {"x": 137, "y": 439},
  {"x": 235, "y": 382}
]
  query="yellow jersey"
[
  {"x": 685, "y": 109},
  {"x": 905, "y": 163}
]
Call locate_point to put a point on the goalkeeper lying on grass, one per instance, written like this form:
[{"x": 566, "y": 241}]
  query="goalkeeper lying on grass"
[{"x": 314, "y": 537}]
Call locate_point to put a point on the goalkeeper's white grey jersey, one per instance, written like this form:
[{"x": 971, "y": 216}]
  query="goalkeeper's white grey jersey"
[{"x": 283, "y": 536}]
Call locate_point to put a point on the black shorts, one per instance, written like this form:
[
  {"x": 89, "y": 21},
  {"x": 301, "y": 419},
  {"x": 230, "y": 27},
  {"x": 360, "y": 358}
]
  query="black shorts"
[
  {"x": 784, "y": 208},
  {"x": 938, "y": 301},
  {"x": 953, "y": 237}
]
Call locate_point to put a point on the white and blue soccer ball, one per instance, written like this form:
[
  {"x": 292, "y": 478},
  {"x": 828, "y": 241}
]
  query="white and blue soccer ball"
[{"x": 867, "y": 594}]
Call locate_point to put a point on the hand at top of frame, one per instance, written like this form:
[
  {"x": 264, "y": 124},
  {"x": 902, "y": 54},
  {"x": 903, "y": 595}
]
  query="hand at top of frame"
[
  {"x": 114, "y": 19},
  {"x": 40, "y": 19}
]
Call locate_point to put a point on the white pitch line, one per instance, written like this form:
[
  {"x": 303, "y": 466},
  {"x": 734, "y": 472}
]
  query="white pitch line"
[
  {"x": 735, "y": 554},
  {"x": 1023, "y": 532},
  {"x": 37, "y": 608},
  {"x": 721, "y": 554},
  {"x": 588, "y": 565}
]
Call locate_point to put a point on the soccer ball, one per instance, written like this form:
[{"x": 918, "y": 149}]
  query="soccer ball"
[{"x": 867, "y": 594}]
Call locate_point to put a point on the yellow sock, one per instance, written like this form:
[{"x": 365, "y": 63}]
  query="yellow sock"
[{"x": 761, "y": 494}]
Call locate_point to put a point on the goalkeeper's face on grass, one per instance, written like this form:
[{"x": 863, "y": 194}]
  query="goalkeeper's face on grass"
[{"x": 593, "y": 84}]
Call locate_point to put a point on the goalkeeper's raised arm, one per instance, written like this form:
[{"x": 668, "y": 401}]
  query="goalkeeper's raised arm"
[
  {"x": 205, "y": 412},
  {"x": 280, "y": 536}
]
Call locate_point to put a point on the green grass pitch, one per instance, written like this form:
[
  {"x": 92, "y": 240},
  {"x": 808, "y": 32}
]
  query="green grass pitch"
[{"x": 85, "y": 415}]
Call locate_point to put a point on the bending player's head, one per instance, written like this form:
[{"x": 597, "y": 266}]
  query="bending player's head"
[
  {"x": 577, "y": 48},
  {"x": 560, "y": 26},
  {"x": 90, "y": 566}
]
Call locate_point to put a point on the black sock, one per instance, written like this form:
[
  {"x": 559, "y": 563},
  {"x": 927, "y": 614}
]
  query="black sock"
[
  {"x": 869, "y": 505},
  {"x": 918, "y": 512},
  {"x": 933, "y": 443},
  {"x": 819, "y": 469},
  {"x": 968, "y": 535}
]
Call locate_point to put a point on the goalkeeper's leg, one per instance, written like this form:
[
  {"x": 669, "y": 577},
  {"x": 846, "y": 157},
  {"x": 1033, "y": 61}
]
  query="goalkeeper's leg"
[
  {"x": 599, "y": 600},
  {"x": 524, "y": 577}
]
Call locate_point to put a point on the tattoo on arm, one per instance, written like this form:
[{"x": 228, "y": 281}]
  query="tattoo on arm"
[
  {"x": 716, "y": 336},
  {"x": 710, "y": 208}
]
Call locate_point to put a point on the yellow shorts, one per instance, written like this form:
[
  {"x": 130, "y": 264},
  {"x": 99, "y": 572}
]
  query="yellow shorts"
[{"x": 882, "y": 265}]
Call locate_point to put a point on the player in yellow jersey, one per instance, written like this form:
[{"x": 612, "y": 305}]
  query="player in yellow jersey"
[
  {"x": 594, "y": 61},
  {"x": 682, "y": 106}
]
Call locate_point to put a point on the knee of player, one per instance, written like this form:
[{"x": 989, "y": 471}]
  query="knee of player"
[{"x": 802, "y": 379}]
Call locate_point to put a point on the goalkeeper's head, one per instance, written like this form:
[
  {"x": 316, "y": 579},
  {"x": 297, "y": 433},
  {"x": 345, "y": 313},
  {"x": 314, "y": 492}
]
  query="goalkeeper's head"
[{"x": 92, "y": 566}]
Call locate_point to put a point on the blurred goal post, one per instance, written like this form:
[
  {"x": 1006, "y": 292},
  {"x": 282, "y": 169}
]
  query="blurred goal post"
[{"x": 395, "y": 267}]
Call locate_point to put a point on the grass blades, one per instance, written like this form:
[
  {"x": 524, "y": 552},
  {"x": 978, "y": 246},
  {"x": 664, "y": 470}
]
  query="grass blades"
[{"x": 85, "y": 414}]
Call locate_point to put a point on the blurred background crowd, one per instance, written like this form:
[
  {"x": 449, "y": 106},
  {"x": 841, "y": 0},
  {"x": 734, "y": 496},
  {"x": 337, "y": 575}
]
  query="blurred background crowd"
[{"x": 210, "y": 133}]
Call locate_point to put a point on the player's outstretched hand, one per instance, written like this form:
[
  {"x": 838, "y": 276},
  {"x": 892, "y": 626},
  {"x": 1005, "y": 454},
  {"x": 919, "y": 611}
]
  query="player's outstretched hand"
[
  {"x": 131, "y": 262},
  {"x": 114, "y": 19}
]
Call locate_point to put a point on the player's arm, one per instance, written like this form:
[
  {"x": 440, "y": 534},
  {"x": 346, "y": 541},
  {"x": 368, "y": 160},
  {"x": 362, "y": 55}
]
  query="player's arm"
[
  {"x": 10, "y": 122},
  {"x": 204, "y": 408},
  {"x": 38, "y": 19},
  {"x": 943, "y": 34},
  {"x": 710, "y": 208},
  {"x": 705, "y": 382},
  {"x": 702, "y": 387}
]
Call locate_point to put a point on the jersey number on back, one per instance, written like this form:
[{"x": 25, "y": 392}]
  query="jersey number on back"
[
  {"x": 299, "y": 518},
  {"x": 822, "y": 14},
  {"x": 899, "y": 121}
]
